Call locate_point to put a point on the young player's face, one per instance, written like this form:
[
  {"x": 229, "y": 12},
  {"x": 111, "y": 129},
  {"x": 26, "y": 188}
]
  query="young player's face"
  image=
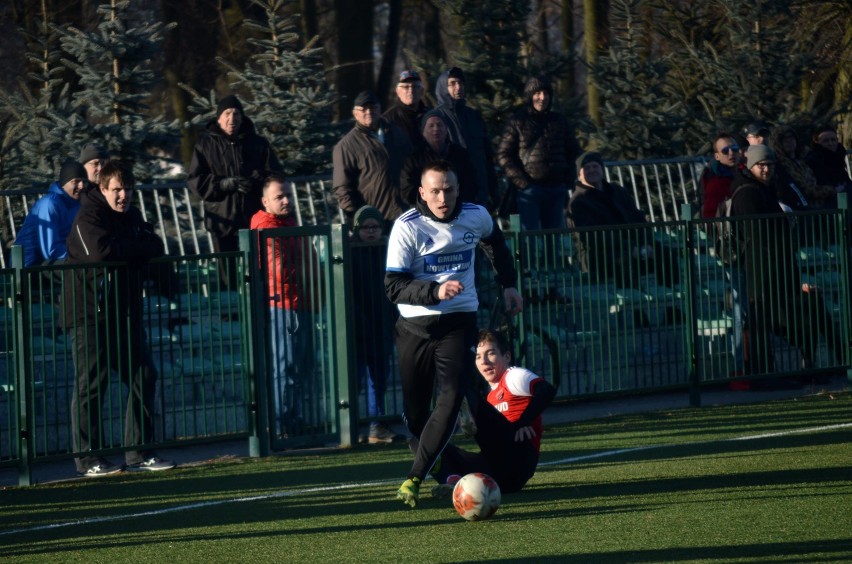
[
  {"x": 117, "y": 195},
  {"x": 490, "y": 362},
  {"x": 440, "y": 191},
  {"x": 277, "y": 199}
]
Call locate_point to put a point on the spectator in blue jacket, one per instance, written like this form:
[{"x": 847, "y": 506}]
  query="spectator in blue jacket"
[{"x": 47, "y": 225}]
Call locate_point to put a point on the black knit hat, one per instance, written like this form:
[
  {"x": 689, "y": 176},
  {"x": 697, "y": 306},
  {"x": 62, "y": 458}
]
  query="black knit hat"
[
  {"x": 70, "y": 170},
  {"x": 456, "y": 72},
  {"x": 588, "y": 157},
  {"x": 92, "y": 151},
  {"x": 227, "y": 103},
  {"x": 365, "y": 213},
  {"x": 432, "y": 113}
]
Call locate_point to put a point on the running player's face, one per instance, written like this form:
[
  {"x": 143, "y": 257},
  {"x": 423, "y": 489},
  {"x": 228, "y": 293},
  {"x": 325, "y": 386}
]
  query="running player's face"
[
  {"x": 440, "y": 190},
  {"x": 490, "y": 362}
]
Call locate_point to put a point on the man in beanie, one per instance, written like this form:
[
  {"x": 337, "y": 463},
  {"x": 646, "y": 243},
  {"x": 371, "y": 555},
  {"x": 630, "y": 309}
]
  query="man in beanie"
[
  {"x": 229, "y": 164},
  {"x": 607, "y": 255},
  {"x": 773, "y": 285},
  {"x": 435, "y": 145},
  {"x": 407, "y": 111},
  {"x": 368, "y": 161},
  {"x": 47, "y": 225},
  {"x": 537, "y": 153},
  {"x": 467, "y": 128},
  {"x": 373, "y": 320},
  {"x": 93, "y": 157}
]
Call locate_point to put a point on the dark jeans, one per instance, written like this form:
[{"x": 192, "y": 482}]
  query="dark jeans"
[{"x": 97, "y": 352}]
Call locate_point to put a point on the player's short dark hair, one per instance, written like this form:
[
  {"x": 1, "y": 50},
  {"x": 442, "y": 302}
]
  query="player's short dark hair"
[
  {"x": 438, "y": 166},
  {"x": 274, "y": 177},
  {"x": 116, "y": 169},
  {"x": 487, "y": 335}
]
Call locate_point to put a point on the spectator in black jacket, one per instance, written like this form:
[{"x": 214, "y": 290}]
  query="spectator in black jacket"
[
  {"x": 467, "y": 128},
  {"x": 537, "y": 153},
  {"x": 103, "y": 314},
  {"x": 436, "y": 146},
  {"x": 827, "y": 158},
  {"x": 409, "y": 108},
  {"x": 229, "y": 164},
  {"x": 776, "y": 301},
  {"x": 368, "y": 162}
]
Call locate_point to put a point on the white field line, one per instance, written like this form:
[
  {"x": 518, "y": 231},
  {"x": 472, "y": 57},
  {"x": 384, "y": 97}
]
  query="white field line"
[{"x": 349, "y": 486}]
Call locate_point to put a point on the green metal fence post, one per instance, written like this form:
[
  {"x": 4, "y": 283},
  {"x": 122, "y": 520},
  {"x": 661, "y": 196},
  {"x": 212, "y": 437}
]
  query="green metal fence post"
[
  {"x": 254, "y": 343},
  {"x": 845, "y": 263},
  {"x": 345, "y": 366},
  {"x": 688, "y": 247},
  {"x": 24, "y": 396},
  {"x": 516, "y": 324}
]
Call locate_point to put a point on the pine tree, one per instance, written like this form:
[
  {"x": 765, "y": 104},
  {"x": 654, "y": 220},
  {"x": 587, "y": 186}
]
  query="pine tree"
[
  {"x": 639, "y": 120},
  {"x": 39, "y": 113},
  {"x": 114, "y": 64},
  {"x": 737, "y": 61},
  {"x": 284, "y": 92}
]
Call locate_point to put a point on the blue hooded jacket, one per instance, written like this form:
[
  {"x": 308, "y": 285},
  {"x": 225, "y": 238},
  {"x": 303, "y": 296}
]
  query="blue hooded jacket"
[{"x": 47, "y": 226}]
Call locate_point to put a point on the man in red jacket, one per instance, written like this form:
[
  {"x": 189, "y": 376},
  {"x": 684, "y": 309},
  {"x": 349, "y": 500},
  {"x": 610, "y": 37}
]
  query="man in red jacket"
[
  {"x": 284, "y": 262},
  {"x": 717, "y": 177}
]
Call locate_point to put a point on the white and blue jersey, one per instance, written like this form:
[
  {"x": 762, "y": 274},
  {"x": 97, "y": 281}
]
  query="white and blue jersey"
[{"x": 436, "y": 251}]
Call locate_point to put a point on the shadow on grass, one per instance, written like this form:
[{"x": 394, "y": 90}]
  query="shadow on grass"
[{"x": 822, "y": 551}]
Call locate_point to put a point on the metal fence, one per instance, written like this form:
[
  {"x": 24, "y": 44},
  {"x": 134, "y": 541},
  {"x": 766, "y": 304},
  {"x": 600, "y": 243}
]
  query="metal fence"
[
  {"x": 659, "y": 187},
  {"x": 608, "y": 311}
]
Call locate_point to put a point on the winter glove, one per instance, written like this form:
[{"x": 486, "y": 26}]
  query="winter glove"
[
  {"x": 244, "y": 185},
  {"x": 230, "y": 184}
]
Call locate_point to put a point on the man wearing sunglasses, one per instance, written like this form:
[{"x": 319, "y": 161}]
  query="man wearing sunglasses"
[{"x": 717, "y": 177}]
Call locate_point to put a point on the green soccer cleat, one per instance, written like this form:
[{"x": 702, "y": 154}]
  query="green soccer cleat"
[{"x": 409, "y": 491}]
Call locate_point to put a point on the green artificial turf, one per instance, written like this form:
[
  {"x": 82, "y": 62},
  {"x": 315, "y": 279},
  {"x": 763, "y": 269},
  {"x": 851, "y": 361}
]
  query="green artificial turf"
[{"x": 681, "y": 489}]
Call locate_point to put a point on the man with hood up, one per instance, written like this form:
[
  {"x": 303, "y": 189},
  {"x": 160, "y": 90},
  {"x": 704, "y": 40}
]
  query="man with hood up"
[
  {"x": 467, "y": 128},
  {"x": 229, "y": 164},
  {"x": 537, "y": 153}
]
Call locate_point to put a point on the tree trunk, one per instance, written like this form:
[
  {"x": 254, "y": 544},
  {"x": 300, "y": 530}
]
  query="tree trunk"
[
  {"x": 310, "y": 25},
  {"x": 567, "y": 27},
  {"x": 590, "y": 40},
  {"x": 354, "y": 32},
  {"x": 383, "y": 84}
]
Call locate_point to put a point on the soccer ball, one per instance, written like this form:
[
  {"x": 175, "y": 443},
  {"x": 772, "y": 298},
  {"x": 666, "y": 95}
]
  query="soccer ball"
[{"x": 476, "y": 496}]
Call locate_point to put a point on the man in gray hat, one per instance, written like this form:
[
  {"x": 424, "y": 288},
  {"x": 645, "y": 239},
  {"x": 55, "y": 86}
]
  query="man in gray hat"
[
  {"x": 776, "y": 301},
  {"x": 368, "y": 161},
  {"x": 229, "y": 164},
  {"x": 93, "y": 157}
]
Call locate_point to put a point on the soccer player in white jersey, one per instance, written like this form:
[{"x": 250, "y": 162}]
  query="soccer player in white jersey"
[
  {"x": 508, "y": 422},
  {"x": 430, "y": 276}
]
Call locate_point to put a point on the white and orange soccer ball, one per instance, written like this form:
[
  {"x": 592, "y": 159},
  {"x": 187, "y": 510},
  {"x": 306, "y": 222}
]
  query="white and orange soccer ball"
[{"x": 476, "y": 496}]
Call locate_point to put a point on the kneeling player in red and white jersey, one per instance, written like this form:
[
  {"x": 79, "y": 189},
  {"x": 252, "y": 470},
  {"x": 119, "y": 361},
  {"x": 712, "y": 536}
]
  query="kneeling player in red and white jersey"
[{"x": 508, "y": 424}]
